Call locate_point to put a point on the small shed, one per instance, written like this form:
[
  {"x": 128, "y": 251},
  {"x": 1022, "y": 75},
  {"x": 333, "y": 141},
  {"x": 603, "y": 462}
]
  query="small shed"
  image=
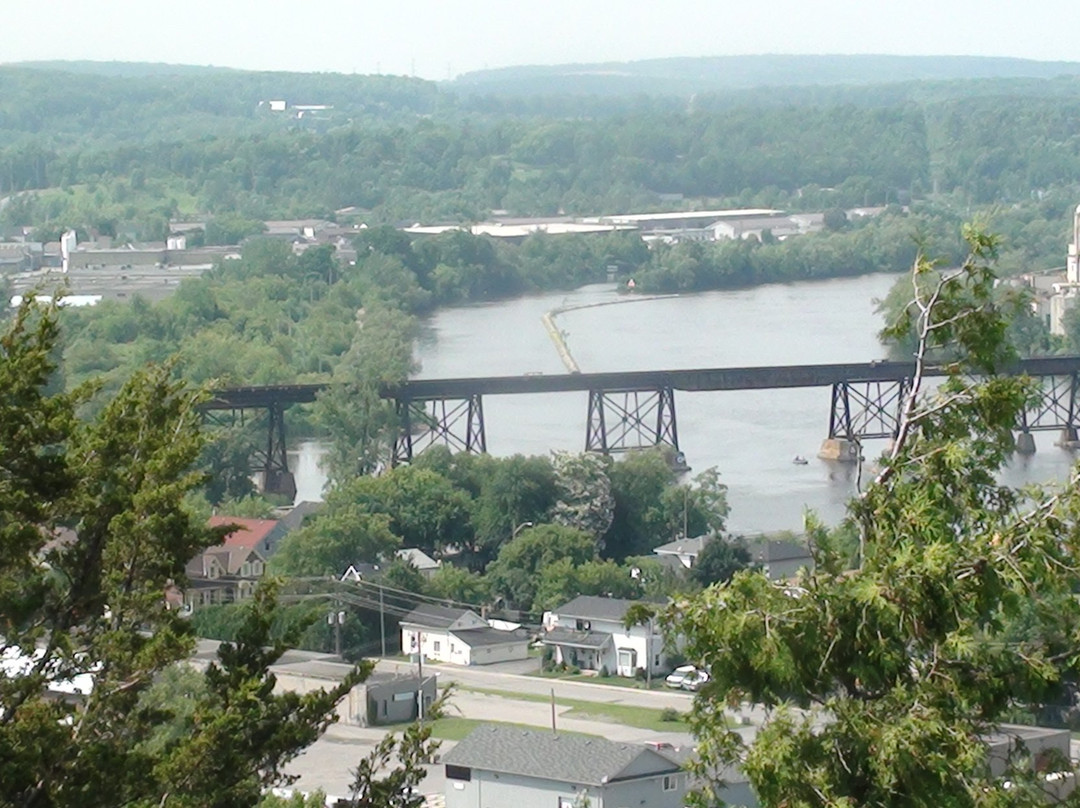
[{"x": 382, "y": 698}]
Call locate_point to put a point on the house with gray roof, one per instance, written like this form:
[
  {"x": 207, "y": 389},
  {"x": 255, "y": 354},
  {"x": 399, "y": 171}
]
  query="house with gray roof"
[
  {"x": 425, "y": 564},
  {"x": 589, "y": 632},
  {"x": 502, "y": 765},
  {"x": 684, "y": 550},
  {"x": 779, "y": 559},
  {"x": 459, "y": 636}
]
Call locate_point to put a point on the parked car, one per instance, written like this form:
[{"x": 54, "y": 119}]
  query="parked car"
[
  {"x": 696, "y": 680},
  {"x": 678, "y": 676}
]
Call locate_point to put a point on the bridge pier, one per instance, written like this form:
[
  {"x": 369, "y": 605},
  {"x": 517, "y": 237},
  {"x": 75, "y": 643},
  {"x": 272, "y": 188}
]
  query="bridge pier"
[
  {"x": 455, "y": 423},
  {"x": 841, "y": 450},
  {"x": 276, "y": 477},
  {"x": 1067, "y": 438},
  {"x": 862, "y": 409},
  {"x": 1025, "y": 443},
  {"x": 624, "y": 420}
]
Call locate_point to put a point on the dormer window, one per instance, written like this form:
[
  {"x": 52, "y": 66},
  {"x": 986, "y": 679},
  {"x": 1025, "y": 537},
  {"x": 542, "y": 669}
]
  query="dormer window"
[{"x": 583, "y": 625}]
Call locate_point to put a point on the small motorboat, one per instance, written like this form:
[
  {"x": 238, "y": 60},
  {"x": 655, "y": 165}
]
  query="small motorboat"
[{"x": 799, "y": 460}]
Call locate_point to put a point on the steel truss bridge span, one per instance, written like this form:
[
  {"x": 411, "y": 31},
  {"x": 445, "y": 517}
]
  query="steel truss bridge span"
[{"x": 636, "y": 409}]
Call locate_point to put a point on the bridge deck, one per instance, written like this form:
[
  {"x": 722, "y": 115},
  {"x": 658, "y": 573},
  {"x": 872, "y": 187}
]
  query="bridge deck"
[{"x": 694, "y": 380}]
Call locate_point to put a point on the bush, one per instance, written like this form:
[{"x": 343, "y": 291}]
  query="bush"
[
  {"x": 547, "y": 659},
  {"x": 604, "y": 672},
  {"x": 573, "y": 670},
  {"x": 670, "y": 714},
  {"x": 639, "y": 674}
]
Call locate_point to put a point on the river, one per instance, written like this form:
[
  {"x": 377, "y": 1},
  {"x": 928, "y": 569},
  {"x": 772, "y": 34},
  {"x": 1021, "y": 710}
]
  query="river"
[{"x": 751, "y": 437}]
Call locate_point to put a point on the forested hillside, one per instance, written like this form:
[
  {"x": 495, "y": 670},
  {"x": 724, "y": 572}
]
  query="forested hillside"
[
  {"x": 99, "y": 150},
  {"x": 702, "y": 74}
]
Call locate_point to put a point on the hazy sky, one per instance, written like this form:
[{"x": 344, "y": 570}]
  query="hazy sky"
[{"x": 437, "y": 38}]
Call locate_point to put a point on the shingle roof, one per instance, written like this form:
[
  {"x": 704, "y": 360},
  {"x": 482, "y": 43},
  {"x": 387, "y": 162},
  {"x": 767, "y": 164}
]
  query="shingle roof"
[
  {"x": 231, "y": 559},
  {"x": 777, "y": 550},
  {"x": 250, "y": 533},
  {"x": 576, "y": 639},
  {"x": 478, "y": 637},
  {"x": 690, "y": 546},
  {"x": 595, "y": 608},
  {"x": 295, "y": 518},
  {"x": 418, "y": 558},
  {"x": 566, "y": 758},
  {"x": 431, "y": 616}
]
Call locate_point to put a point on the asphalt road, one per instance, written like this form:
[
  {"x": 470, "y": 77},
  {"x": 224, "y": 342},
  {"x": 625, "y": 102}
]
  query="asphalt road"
[{"x": 477, "y": 677}]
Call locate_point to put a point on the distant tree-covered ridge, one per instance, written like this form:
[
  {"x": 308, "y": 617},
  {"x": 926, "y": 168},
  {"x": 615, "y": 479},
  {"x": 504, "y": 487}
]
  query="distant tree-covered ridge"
[{"x": 112, "y": 148}]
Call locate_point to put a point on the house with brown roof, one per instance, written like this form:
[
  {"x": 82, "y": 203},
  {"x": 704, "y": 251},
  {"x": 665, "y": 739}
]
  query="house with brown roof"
[
  {"x": 262, "y": 534},
  {"x": 230, "y": 571}
]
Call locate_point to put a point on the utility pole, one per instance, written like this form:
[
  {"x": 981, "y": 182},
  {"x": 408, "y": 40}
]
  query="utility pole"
[
  {"x": 382, "y": 621},
  {"x": 420, "y": 675},
  {"x": 648, "y": 661},
  {"x": 336, "y": 618}
]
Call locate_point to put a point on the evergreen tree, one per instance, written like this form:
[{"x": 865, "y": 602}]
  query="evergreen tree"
[
  {"x": 883, "y": 681},
  {"x": 93, "y": 532}
]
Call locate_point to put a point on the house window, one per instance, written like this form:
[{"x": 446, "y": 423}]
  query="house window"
[
  {"x": 582, "y": 625},
  {"x": 436, "y": 645},
  {"x": 256, "y": 568},
  {"x": 671, "y": 782},
  {"x": 458, "y": 772},
  {"x": 452, "y": 649},
  {"x": 566, "y": 802}
]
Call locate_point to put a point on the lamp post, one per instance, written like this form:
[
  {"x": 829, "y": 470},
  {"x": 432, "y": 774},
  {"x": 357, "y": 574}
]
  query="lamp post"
[{"x": 518, "y": 528}]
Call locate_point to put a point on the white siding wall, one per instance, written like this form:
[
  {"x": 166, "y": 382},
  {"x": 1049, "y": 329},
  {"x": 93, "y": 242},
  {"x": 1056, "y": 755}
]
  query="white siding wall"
[
  {"x": 490, "y": 790},
  {"x": 490, "y": 654},
  {"x": 429, "y": 639},
  {"x": 635, "y": 638}
]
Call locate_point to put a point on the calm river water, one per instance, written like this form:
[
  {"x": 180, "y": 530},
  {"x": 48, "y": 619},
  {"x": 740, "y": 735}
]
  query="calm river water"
[{"x": 749, "y": 436}]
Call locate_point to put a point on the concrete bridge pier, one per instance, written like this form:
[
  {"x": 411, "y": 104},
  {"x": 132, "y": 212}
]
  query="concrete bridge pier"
[
  {"x": 279, "y": 482},
  {"x": 841, "y": 450},
  {"x": 1025, "y": 443},
  {"x": 1067, "y": 438}
]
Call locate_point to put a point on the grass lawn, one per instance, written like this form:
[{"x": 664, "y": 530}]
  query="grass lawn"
[
  {"x": 625, "y": 714},
  {"x": 616, "y": 681}
]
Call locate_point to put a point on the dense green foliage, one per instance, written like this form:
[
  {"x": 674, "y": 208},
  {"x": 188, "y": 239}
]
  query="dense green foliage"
[
  {"x": 124, "y": 153},
  {"x": 521, "y": 532},
  {"x": 885, "y": 680},
  {"x": 93, "y": 532}
]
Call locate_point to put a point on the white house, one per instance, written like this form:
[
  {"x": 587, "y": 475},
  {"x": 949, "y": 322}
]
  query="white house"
[
  {"x": 589, "y": 632},
  {"x": 460, "y": 637},
  {"x": 498, "y": 765}
]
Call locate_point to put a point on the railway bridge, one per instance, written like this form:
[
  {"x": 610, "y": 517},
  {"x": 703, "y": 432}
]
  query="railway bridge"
[{"x": 636, "y": 409}]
